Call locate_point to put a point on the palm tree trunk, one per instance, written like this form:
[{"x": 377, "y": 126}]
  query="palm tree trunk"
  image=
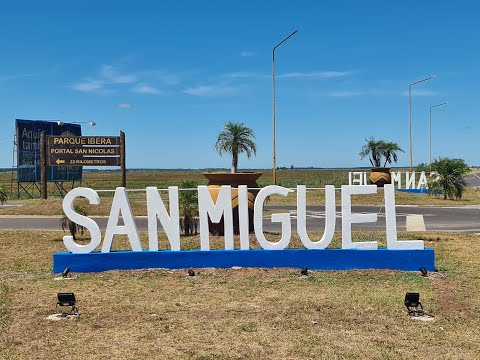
[{"x": 234, "y": 163}]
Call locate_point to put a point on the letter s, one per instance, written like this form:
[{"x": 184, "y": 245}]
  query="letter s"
[{"x": 89, "y": 224}]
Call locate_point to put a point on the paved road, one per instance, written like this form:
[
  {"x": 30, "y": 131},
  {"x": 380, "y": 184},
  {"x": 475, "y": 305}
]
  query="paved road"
[
  {"x": 462, "y": 219},
  {"x": 473, "y": 180}
]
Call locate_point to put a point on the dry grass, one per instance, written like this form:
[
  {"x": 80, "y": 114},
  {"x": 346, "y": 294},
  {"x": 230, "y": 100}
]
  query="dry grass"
[
  {"x": 53, "y": 206},
  {"x": 286, "y": 178},
  {"x": 238, "y": 314}
]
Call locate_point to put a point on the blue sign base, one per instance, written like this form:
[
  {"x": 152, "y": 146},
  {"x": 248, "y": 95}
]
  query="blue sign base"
[
  {"x": 415, "y": 191},
  {"x": 328, "y": 259}
]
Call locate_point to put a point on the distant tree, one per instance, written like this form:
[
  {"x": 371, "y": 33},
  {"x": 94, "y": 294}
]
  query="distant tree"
[
  {"x": 422, "y": 167},
  {"x": 291, "y": 167},
  {"x": 73, "y": 227},
  {"x": 377, "y": 150},
  {"x": 188, "y": 203},
  {"x": 450, "y": 179},
  {"x": 234, "y": 139}
]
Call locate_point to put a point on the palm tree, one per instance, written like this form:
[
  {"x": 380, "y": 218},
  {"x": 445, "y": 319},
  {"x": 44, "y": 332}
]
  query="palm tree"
[
  {"x": 390, "y": 152},
  {"x": 3, "y": 195},
  {"x": 188, "y": 203},
  {"x": 235, "y": 139},
  {"x": 450, "y": 181},
  {"x": 378, "y": 149},
  {"x": 372, "y": 149}
]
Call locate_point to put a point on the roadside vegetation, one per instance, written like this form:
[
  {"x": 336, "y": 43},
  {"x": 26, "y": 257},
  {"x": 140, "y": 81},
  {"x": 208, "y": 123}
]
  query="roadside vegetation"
[
  {"x": 188, "y": 207},
  {"x": 238, "y": 314},
  {"x": 3, "y": 195},
  {"x": 450, "y": 182},
  {"x": 74, "y": 228}
]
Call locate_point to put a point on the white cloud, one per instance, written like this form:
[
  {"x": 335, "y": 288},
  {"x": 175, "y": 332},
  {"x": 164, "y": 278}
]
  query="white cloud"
[
  {"x": 240, "y": 75},
  {"x": 88, "y": 85},
  {"x": 170, "y": 79},
  {"x": 347, "y": 93},
  {"x": 111, "y": 75},
  {"x": 421, "y": 92},
  {"x": 146, "y": 89},
  {"x": 124, "y": 106},
  {"x": 210, "y": 90},
  {"x": 110, "y": 79},
  {"x": 246, "y": 53},
  {"x": 291, "y": 75},
  {"x": 314, "y": 74}
]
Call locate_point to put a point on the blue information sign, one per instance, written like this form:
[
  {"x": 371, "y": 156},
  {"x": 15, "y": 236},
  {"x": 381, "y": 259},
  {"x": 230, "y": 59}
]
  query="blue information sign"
[{"x": 28, "y": 150}]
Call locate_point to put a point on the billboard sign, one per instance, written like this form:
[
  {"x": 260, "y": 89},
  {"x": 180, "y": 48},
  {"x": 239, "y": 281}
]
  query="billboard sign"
[
  {"x": 28, "y": 150},
  {"x": 83, "y": 150}
]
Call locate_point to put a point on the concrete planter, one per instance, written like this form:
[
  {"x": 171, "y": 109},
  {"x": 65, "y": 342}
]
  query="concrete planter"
[
  {"x": 217, "y": 179},
  {"x": 380, "y": 176}
]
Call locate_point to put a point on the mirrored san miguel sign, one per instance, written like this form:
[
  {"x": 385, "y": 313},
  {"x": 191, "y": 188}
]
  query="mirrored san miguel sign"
[
  {"x": 401, "y": 180},
  {"x": 399, "y": 254}
]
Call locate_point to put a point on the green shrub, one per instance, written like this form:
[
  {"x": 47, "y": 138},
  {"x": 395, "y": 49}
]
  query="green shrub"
[{"x": 450, "y": 181}]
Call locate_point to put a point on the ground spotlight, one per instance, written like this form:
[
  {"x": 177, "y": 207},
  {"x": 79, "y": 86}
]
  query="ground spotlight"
[
  {"x": 304, "y": 271},
  {"x": 191, "y": 272},
  {"x": 66, "y": 272},
  {"x": 413, "y": 304},
  {"x": 67, "y": 300},
  {"x": 424, "y": 271}
]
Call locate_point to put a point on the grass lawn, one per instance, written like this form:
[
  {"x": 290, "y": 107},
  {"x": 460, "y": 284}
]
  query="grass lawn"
[{"x": 238, "y": 314}]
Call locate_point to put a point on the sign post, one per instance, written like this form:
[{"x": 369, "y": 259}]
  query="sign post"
[
  {"x": 122, "y": 159},
  {"x": 43, "y": 166}
]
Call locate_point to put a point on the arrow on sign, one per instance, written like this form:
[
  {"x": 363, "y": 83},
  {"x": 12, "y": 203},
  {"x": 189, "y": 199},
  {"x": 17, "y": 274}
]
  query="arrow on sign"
[{"x": 60, "y": 161}]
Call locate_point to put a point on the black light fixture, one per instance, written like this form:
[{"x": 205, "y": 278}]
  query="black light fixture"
[
  {"x": 304, "y": 271},
  {"x": 424, "y": 271},
  {"x": 65, "y": 300},
  {"x": 65, "y": 273},
  {"x": 191, "y": 272},
  {"x": 413, "y": 304}
]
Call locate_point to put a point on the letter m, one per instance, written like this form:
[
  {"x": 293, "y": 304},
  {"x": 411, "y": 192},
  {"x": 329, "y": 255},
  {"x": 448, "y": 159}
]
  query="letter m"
[{"x": 222, "y": 206}]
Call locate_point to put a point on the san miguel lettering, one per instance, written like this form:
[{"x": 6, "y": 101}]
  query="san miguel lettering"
[{"x": 222, "y": 208}]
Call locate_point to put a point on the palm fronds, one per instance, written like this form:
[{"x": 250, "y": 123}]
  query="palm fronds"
[
  {"x": 376, "y": 150},
  {"x": 234, "y": 140},
  {"x": 450, "y": 181}
]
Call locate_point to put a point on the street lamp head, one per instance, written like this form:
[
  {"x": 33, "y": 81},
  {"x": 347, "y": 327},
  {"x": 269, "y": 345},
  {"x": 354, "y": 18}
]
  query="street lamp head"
[
  {"x": 93, "y": 123},
  {"x": 420, "y": 81},
  {"x": 434, "y": 106}
]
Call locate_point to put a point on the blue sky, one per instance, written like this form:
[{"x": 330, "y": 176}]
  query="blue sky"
[{"x": 170, "y": 74}]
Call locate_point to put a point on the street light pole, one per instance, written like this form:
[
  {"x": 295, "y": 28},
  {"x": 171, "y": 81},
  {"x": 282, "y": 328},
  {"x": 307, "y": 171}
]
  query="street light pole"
[
  {"x": 273, "y": 107},
  {"x": 410, "y": 112},
  {"x": 431, "y": 107}
]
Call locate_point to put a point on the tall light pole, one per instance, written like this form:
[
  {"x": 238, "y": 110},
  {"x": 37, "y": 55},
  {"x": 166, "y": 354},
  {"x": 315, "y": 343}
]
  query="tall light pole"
[
  {"x": 273, "y": 107},
  {"x": 410, "y": 111},
  {"x": 431, "y": 107}
]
